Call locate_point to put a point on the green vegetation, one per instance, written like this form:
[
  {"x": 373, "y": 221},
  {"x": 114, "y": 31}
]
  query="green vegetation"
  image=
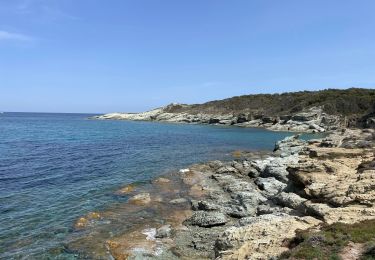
[
  {"x": 348, "y": 102},
  {"x": 329, "y": 242}
]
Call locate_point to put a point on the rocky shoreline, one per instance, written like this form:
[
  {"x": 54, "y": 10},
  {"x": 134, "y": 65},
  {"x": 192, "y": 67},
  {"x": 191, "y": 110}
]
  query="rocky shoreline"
[
  {"x": 252, "y": 208},
  {"x": 312, "y": 120}
]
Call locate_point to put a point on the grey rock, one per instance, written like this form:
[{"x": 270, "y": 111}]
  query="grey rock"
[
  {"x": 277, "y": 171},
  {"x": 215, "y": 164},
  {"x": 254, "y": 195},
  {"x": 246, "y": 221},
  {"x": 238, "y": 166},
  {"x": 226, "y": 122},
  {"x": 264, "y": 209},
  {"x": 290, "y": 200},
  {"x": 253, "y": 173},
  {"x": 239, "y": 185},
  {"x": 207, "y": 219},
  {"x": 317, "y": 209},
  {"x": 242, "y": 211},
  {"x": 226, "y": 169},
  {"x": 204, "y": 205},
  {"x": 259, "y": 165},
  {"x": 316, "y": 127},
  {"x": 243, "y": 167},
  {"x": 270, "y": 185},
  {"x": 164, "y": 231}
]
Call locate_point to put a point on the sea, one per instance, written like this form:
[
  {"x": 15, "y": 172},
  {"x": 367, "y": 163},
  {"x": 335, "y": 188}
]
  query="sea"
[{"x": 55, "y": 168}]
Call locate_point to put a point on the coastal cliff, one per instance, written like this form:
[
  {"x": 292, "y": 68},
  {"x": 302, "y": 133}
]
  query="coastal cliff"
[{"x": 315, "y": 111}]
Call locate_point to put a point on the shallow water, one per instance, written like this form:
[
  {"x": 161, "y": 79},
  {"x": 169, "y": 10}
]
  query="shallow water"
[{"x": 55, "y": 168}]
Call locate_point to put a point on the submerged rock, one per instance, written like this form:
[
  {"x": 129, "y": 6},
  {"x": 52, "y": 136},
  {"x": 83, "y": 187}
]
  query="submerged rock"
[
  {"x": 140, "y": 199},
  {"x": 178, "y": 201},
  {"x": 127, "y": 189},
  {"x": 162, "y": 180}
]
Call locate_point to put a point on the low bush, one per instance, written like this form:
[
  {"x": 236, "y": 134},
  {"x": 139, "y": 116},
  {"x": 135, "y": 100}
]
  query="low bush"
[{"x": 328, "y": 243}]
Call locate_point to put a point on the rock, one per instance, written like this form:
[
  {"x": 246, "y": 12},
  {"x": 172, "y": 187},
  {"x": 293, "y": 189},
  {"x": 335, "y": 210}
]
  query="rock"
[
  {"x": 184, "y": 171},
  {"x": 309, "y": 115},
  {"x": 262, "y": 238},
  {"x": 370, "y": 122},
  {"x": 215, "y": 164},
  {"x": 226, "y": 169},
  {"x": 318, "y": 210},
  {"x": 290, "y": 145},
  {"x": 253, "y": 173},
  {"x": 127, "y": 189},
  {"x": 242, "y": 118},
  {"x": 316, "y": 127},
  {"x": 178, "y": 201},
  {"x": 81, "y": 223},
  {"x": 243, "y": 167},
  {"x": 277, "y": 171},
  {"x": 268, "y": 209},
  {"x": 331, "y": 175},
  {"x": 245, "y": 203},
  {"x": 164, "y": 231},
  {"x": 248, "y": 210},
  {"x": 207, "y": 219},
  {"x": 162, "y": 180},
  {"x": 91, "y": 217},
  {"x": 290, "y": 200},
  {"x": 140, "y": 199},
  {"x": 238, "y": 166},
  {"x": 270, "y": 185},
  {"x": 226, "y": 122},
  {"x": 285, "y": 117},
  {"x": 204, "y": 205},
  {"x": 214, "y": 121}
]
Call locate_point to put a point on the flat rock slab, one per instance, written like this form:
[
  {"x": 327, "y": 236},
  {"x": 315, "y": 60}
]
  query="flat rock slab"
[{"x": 207, "y": 219}]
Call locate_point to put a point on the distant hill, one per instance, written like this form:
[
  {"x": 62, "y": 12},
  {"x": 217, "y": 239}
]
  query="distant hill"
[
  {"x": 302, "y": 111},
  {"x": 348, "y": 102}
]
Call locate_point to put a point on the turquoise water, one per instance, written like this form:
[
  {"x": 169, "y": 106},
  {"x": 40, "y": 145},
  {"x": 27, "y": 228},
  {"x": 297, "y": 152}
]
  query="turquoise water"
[{"x": 55, "y": 168}]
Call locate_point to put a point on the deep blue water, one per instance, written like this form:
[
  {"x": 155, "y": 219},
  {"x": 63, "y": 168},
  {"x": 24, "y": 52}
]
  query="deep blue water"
[{"x": 57, "y": 167}]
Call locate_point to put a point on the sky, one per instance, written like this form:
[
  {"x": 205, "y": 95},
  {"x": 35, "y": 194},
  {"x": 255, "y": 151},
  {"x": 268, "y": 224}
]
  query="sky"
[{"x": 119, "y": 55}]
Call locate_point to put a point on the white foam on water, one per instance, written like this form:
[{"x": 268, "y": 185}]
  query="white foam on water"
[
  {"x": 150, "y": 233},
  {"x": 184, "y": 170}
]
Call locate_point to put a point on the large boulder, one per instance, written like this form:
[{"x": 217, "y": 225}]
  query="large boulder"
[
  {"x": 277, "y": 171},
  {"x": 270, "y": 185},
  {"x": 290, "y": 200},
  {"x": 206, "y": 219}
]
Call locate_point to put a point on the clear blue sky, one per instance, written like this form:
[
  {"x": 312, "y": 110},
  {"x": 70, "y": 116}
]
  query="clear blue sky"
[{"x": 119, "y": 55}]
